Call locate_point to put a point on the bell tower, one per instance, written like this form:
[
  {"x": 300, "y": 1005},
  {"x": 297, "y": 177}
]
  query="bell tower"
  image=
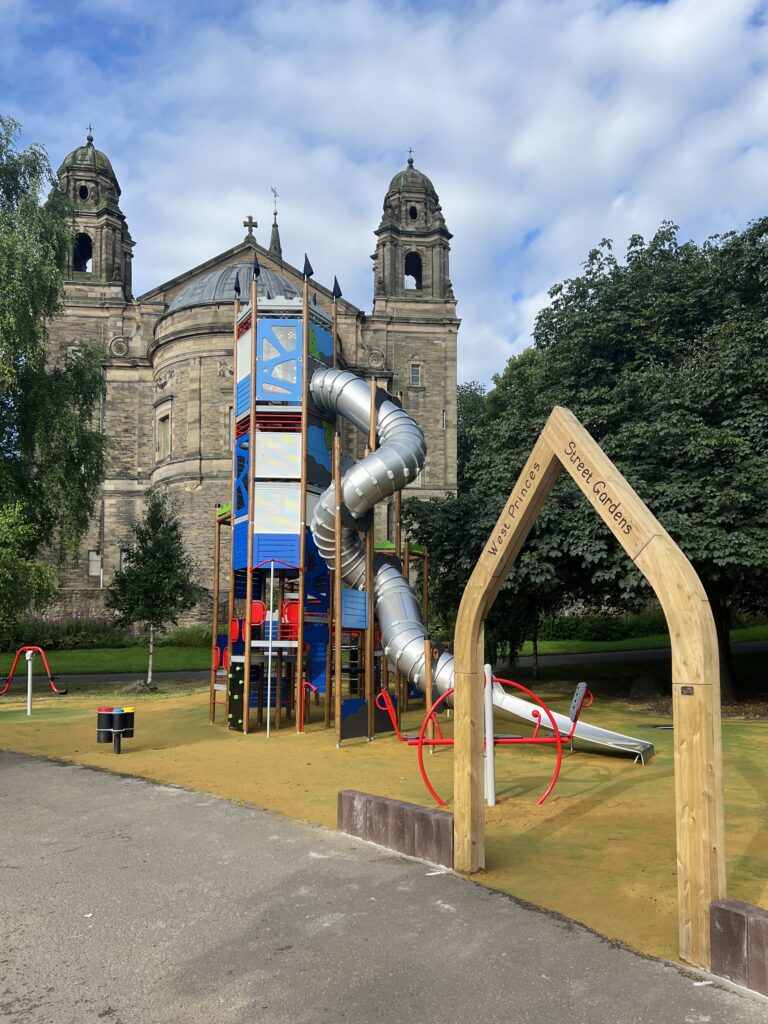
[
  {"x": 410, "y": 340},
  {"x": 101, "y": 251},
  {"x": 411, "y": 258}
]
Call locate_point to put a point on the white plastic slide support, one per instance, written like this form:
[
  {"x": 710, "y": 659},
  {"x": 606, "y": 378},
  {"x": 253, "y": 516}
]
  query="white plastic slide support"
[
  {"x": 490, "y": 749},
  {"x": 397, "y": 461},
  {"x": 30, "y": 656}
]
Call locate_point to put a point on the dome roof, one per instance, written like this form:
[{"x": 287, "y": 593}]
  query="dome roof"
[
  {"x": 411, "y": 179},
  {"x": 87, "y": 157},
  {"x": 219, "y": 286}
]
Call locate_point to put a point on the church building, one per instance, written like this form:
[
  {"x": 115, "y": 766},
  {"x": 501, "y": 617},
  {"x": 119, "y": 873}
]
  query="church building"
[{"x": 168, "y": 358}]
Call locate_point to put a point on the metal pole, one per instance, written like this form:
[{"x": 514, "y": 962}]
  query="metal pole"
[
  {"x": 271, "y": 622},
  {"x": 30, "y": 656},
  {"x": 430, "y": 731},
  {"x": 490, "y": 748},
  {"x": 279, "y": 691}
]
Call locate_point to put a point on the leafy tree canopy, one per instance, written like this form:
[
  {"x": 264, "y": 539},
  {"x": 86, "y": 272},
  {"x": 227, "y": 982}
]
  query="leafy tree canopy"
[
  {"x": 51, "y": 460},
  {"x": 663, "y": 358},
  {"x": 24, "y": 583},
  {"x": 156, "y": 583}
]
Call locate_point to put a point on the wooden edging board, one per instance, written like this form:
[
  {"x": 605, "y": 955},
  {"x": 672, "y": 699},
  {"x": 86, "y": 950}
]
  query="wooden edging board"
[{"x": 564, "y": 443}]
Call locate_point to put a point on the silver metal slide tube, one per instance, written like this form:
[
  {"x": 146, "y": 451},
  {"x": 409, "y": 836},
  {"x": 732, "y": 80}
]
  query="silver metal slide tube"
[{"x": 396, "y": 462}]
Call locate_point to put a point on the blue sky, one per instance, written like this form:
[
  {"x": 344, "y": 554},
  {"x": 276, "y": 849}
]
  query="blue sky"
[{"x": 545, "y": 126}]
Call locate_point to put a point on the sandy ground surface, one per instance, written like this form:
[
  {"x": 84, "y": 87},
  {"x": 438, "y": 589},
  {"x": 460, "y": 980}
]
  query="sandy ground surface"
[{"x": 601, "y": 850}]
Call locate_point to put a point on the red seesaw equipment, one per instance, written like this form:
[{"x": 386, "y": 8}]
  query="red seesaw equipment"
[
  {"x": 41, "y": 652},
  {"x": 582, "y": 698}
]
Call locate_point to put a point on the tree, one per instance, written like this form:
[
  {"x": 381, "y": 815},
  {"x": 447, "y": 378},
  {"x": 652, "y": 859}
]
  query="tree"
[
  {"x": 51, "y": 460},
  {"x": 24, "y": 583},
  {"x": 156, "y": 582},
  {"x": 663, "y": 358},
  {"x": 494, "y": 440}
]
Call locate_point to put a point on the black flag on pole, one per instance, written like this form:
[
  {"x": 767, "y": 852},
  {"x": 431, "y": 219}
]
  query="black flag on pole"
[
  {"x": 308, "y": 271},
  {"x": 336, "y": 289},
  {"x": 237, "y": 284},
  {"x": 256, "y": 267}
]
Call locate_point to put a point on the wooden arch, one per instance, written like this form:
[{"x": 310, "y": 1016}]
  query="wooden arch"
[{"x": 695, "y": 666}]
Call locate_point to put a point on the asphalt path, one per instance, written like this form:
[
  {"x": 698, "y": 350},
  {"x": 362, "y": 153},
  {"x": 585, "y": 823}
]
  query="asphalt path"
[{"x": 128, "y": 902}]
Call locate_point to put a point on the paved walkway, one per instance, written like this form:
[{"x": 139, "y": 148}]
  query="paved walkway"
[{"x": 127, "y": 902}]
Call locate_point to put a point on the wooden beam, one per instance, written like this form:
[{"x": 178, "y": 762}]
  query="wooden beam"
[
  {"x": 337, "y": 583},
  {"x": 231, "y": 597},
  {"x": 512, "y": 527},
  {"x": 695, "y": 664},
  {"x": 300, "y": 695},
  {"x": 248, "y": 631},
  {"x": 370, "y": 646},
  {"x": 215, "y": 624}
]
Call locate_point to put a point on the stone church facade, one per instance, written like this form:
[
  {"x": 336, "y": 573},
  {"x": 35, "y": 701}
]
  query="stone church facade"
[{"x": 168, "y": 365}]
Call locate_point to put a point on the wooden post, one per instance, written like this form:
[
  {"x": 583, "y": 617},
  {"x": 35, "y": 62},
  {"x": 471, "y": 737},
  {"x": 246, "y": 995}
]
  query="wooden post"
[
  {"x": 215, "y": 624},
  {"x": 337, "y": 585},
  {"x": 279, "y": 697},
  {"x": 425, "y": 588},
  {"x": 303, "y": 507},
  {"x": 231, "y": 600},
  {"x": 407, "y": 574},
  {"x": 328, "y": 658},
  {"x": 370, "y": 646},
  {"x": 401, "y": 685},
  {"x": 251, "y": 499},
  {"x": 695, "y": 665}
]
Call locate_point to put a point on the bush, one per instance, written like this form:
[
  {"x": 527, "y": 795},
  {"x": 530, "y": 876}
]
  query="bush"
[
  {"x": 64, "y": 634},
  {"x": 186, "y": 636},
  {"x": 602, "y": 627}
]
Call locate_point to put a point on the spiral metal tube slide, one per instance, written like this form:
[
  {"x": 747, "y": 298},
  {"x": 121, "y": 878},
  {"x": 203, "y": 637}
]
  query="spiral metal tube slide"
[{"x": 397, "y": 461}]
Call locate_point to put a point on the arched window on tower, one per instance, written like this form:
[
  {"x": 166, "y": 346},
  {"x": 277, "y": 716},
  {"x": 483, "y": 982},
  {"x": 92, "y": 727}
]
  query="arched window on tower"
[
  {"x": 82, "y": 259},
  {"x": 413, "y": 272}
]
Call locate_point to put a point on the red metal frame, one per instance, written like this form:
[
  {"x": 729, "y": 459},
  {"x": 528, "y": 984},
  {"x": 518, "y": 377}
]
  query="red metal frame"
[
  {"x": 41, "y": 652},
  {"x": 384, "y": 703},
  {"x": 304, "y": 703}
]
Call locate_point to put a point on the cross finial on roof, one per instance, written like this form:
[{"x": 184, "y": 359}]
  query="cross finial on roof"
[
  {"x": 275, "y": 195},
  {"x": 410, "y": 156},
  {"x": 89, "y": 139},
  {"x": 249, "y": 223}
]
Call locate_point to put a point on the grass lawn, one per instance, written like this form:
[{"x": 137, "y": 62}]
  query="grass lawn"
[
  {"x": 104, "y": 661},
  {"x": 642, "y": 643}
]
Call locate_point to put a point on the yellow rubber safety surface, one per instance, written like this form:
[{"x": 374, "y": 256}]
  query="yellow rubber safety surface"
[{"x": 601, "y": 850}]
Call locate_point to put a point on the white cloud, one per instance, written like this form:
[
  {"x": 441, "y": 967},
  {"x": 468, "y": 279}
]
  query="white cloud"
[{"x": 544, "y": 124}]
